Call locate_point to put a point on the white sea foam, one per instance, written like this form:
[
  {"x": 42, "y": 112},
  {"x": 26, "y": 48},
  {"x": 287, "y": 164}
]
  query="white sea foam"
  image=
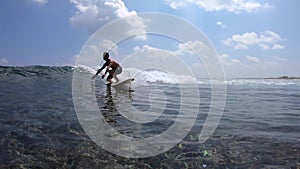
[
  {"x": 258, "y": 82},
  {"x": 250, "y": 82},
  {"x": 143, "y": 77},
  {"x": 87, "y": 69},
  {"x": 156, "y": 76}
]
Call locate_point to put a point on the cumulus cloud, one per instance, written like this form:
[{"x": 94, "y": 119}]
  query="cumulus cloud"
[
  {"x": 154, "y": 53},
  {"x": 251, "y": 66},
  {"x": 92, "y": 53},
  {"x": 253, "y": 59},
  {"x": 183, "y": 49},
  {"x": 277, "y": 46},
  {"x": 262, "y": 40},
  {"x": 235, "y": 6},
  {"x": 264, "y": 46},
  {"x": 269, "y": 37},
  {"x": 3, "y": 61},
  {"x": 236, "y": 61},
  {"x": 41, "y": 2},
  {"x": 174, "y": 60},
  {"x": 109, "y": 46},
  {"x": 246, "y": 38},
  {"x": 152, "y": 57},
  {"x": 226, "y": 60},
  {"x": 186, "y": 48},
  {"x": 93, "y": 14}
]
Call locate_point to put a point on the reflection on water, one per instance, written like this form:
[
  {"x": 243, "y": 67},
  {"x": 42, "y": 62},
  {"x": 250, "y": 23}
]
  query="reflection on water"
[{"x": 116, "y": 107}]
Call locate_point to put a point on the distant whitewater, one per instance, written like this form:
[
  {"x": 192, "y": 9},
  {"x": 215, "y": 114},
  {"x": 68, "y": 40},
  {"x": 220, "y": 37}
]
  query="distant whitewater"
[
  {"x": 260, "y": 127},
  {"x": 143, "y": 77}
]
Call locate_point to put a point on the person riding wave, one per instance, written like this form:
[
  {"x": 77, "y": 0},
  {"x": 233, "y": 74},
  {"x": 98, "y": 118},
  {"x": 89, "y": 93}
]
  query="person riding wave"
[{"x": 113, "y": 68}]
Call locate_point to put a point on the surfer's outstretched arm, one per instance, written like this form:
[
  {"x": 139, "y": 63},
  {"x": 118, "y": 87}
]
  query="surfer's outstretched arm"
[{"x": 104, "y": 65}]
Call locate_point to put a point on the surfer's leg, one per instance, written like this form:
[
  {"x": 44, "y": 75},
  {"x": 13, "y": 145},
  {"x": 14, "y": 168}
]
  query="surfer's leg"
[
  {"x": 111, "y": 74},
  {"x": 117, "y": 71},
  {"x": 109, "y": 77},
  {"x": 117, "y": 79}
]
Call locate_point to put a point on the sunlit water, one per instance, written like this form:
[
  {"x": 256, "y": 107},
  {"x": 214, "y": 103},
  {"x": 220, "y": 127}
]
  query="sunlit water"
[{"x": 260, "y": 126}]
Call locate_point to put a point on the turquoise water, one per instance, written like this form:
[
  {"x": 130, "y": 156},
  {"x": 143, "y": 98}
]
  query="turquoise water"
[{"x": 39, "y": 128}]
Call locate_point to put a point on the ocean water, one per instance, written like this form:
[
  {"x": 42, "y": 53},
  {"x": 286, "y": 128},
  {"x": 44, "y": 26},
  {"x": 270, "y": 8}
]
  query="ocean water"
[{"x": 39, "y": 128}]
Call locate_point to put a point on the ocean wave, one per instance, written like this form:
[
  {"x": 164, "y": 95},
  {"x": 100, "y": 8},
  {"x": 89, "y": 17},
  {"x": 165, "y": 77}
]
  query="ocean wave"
[
  {"x": 250, "y": 82},
  {"x": 265, "y": 82},
  {"x": 142, "y": 77},
  {"x": 86, "y": 69},
  {"x": 45, "y": 72},
  {"x": 157, "y": 76}
]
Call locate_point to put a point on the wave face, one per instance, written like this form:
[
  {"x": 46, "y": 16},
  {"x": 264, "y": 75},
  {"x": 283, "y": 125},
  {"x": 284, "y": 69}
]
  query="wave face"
[{"x": 35, "y": 72}]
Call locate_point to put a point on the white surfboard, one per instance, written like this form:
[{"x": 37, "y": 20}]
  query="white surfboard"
[
  {"x": 124, "y": 82},
  {"x": 123, "y": 85}
]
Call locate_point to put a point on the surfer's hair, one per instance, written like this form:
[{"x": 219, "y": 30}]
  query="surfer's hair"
[{"x": 105, "y": 55}]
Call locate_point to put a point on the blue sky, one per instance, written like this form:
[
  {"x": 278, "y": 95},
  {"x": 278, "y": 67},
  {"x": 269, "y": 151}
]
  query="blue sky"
[{"x": 253, "y": 38}]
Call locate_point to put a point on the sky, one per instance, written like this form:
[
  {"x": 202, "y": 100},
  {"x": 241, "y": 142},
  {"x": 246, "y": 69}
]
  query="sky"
[{"x": 253, "y": 38}]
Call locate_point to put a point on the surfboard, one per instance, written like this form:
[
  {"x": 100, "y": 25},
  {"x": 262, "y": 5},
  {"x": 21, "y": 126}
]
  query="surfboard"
[{"x": 122, "y": 83}]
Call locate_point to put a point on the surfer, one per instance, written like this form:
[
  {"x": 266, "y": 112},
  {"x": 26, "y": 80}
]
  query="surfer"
[{"x": 113, "y": 68}]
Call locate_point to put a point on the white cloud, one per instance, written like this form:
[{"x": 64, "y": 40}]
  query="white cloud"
[
  {"x": 236, "y": 61},
  {"x": 264, "y": 46},
  {"x": 151, "y": 57},
  {"x": 271, "y": 66},
  {"x": 263, "y": 40},
  {"x": 248, "y": 38},
  {"x": 226, "y": 60},
  {"x": 176, "y": 4},
  {"x": 277, "y": 46},
  {"x": 235, "y": 6},
  {"x": 3, "y": 61},
  {"x": 185, "y": 48},
  {"x": 41, "y": 2},
  {"x": 110, "y": 46},
  {"x": 92, "y": 53},
  {"x": 224, "y": 56},
  {"x": 253, "y": 59},
  {"x": 240, "y": 46},
  {"x": 189, "y": 58},
  {"x": 269, "y": 37},
  {"x": 93, "y": 14},
  {"x": 156, "y": 53},
  {"x": 227, "y": 42},
  {"x": 221, "y": 24}
]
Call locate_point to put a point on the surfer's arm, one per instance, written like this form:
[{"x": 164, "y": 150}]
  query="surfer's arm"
[{"x": 104, "y": 65}]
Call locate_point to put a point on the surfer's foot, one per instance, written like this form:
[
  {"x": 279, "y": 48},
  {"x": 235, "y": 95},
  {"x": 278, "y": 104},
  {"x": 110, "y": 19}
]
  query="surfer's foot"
[{"x": 108, "y": 83}]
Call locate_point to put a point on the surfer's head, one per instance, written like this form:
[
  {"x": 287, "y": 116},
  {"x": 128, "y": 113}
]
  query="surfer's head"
[{"x": 105, "y": 55}]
